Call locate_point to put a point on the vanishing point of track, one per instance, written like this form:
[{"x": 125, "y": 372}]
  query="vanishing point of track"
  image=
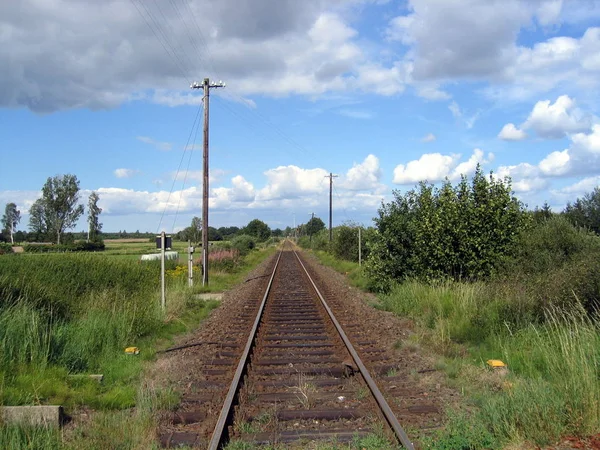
[{"x": 297, "y": 378}]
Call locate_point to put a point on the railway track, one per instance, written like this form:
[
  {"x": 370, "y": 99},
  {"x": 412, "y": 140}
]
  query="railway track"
[{"x": 297, "y": 377}]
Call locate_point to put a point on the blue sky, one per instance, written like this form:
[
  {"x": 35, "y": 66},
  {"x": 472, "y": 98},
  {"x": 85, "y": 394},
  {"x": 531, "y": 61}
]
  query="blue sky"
[{"x": 382, "y": 93}]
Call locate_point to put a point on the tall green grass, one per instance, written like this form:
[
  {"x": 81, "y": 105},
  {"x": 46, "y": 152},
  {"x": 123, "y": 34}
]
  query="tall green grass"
[{"x": 553, "y": 387}]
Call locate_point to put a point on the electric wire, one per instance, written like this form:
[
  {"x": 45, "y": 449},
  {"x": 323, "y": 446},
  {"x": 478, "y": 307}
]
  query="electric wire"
[
  {"x": 171, "y": 54},
  {"x": 179, "y": 167},
  {"x": 191, "y": 150}
]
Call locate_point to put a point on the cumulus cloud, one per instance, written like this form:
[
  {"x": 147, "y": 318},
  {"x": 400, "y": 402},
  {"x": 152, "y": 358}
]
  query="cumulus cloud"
[
  {"x": 292, "y": 182},
  {"x": 581, "y": 158},
  {"x": 125, "y": 173},
  {"x": 78, "y": 54},
  {"x": 430, "y": 167},
  {"x": 555, "y": 120},
  {"x": 510, "y": 132},
  {"x": 364, "y": 176},
  {"x": 434, "y": 167},
  {"x": 478, "y": 40}
]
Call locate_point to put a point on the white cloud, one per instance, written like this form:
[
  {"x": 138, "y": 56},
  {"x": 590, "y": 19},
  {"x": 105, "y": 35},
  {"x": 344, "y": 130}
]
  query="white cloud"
[
  {"x": 556, "y": 163},
  {"x": 125, "y": 173},
  {"x": 468, "y": 167},
  {"x": 434, "y": 167},
  {"x": 580, "y": 188},
  {"x": 241, "y": 191},
  {"x": 364, "y": 176},
  {"x": 510, "y": 132},
  {"x": 555, "y": 120},
  {"x": 164, "y": 146},
  {"x": 291, "y": 182},
  {"x": 430, "y": 167},
  {"x": 429, "y": 137},
  {"x": 525, "y": 177}
]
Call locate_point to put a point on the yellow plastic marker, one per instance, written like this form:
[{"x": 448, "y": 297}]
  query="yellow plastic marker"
[
  {"x": 495, "y": 363},
  {"x": 132, "y": 350}
]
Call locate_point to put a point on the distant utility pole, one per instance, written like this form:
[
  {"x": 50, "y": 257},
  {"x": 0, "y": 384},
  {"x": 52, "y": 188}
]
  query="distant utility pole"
[
  {"x": 312, "y": 216},
  {"x": 331, "y": 177},
  {"x": 206, "y": 86}
]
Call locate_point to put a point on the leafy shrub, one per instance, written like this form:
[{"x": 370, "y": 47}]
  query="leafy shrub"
[
  {"x": 243, "y": 244},
  {"x": 456, "y": 232},
  {"x": 5, "y": 248}
]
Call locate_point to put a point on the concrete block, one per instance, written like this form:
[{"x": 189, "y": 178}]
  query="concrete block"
[{"x": 47, "y": 416}]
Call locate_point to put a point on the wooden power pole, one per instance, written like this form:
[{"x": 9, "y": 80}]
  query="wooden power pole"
[
  {"x": 206, "y": 86},
  {"x": 331, "y": 177}
]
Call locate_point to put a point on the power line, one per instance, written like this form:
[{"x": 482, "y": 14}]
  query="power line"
[
  {"x": 191, "y": 150},
  {"x": 172, "y": 54},
  {"x": 179, "y": 168}
]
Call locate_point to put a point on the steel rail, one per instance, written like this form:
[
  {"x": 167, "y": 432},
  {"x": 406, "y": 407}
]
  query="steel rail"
[
  {"x": 217, "y": 436},
  {"x": 383, "y": 404}
]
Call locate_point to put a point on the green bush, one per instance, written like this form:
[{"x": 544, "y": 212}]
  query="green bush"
[
  {"x": 459, "y": 232},
  {"x": 5, "y": 248},
  {"x": 80, "y": 246},
  {"x": 243, "y": 244}
]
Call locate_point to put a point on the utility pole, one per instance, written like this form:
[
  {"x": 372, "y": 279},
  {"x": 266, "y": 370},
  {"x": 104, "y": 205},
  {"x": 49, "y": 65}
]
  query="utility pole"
[
  {"x": 359, "y": 248},
  {"x": 163, "y": 244},
  {"x": 206, "y": 86},
  {"x": 311, "y": 220},
  {"x": 331, "y": 177}
]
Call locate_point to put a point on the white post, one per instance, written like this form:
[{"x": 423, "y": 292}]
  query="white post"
[
  {"x": 190, "y": 264},
  {"x": 359, "y": 249},
  {"x": 163, "y": 243}
]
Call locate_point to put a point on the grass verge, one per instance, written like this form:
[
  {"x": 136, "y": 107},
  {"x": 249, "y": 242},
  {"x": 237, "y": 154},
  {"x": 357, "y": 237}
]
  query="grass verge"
[{"x": 63, "y": 317}]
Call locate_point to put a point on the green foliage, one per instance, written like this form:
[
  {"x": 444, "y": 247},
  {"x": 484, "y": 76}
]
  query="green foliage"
[
  {"x": 456, "y": 232},
  {"x": 462, "y": 432},
  {"x": 585, "y": 211},
  {"x": 257, "y": 229},
  {"x": 345, "y": 241},
  {"x": 60, "y": 198},
  {"x": 243, "y": 244},
  {"x": 5, "y": 248},
  {"x": 81, "y": 246},
  {"x": 10, "y": 219},
  {"x": 557, "y": 264},
  {"x": 313, "y": 226},
  {"x": 30, "y": 438},
  {"x": 94, "y": 225}
]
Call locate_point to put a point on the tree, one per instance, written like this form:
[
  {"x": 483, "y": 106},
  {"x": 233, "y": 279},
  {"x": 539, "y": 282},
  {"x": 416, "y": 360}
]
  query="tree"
[
  {"x": 314, "y": 225},
  {"x": 258, "y": 229},
  {"x": 585, "y": 212},
  {"x": 38, "y": 224},
  {"x": 10, "y": 219},
  {"x": 60, "y": 196},
  {"x": 94, "y": 226}
]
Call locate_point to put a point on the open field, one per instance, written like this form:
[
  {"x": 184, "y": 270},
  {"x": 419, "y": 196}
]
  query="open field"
[{"x": 64, "y": 316}]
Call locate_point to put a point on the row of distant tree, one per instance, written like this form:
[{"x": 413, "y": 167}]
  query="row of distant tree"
[
  {"x": 255, "y": 228},
  {"x": 58, "y": 210},
  {"x": 55, "y": 212}
]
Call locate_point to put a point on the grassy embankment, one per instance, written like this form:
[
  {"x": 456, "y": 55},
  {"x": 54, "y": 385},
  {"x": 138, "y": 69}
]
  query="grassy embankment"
[
  {"x": 63, "y": 316},
  {"x": 537, "y": 315}
]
